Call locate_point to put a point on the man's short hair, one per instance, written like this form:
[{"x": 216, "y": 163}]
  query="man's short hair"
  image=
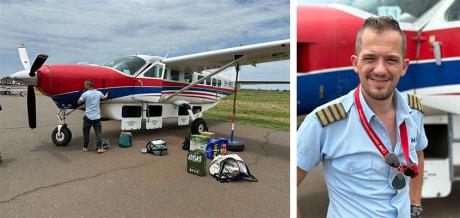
[
  {"x": 380, "y": 24},
  {"x": 89, "y": 83}
]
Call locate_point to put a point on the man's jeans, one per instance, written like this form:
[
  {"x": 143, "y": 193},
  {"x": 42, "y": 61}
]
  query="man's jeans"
[{"x": 87, "y": 124}]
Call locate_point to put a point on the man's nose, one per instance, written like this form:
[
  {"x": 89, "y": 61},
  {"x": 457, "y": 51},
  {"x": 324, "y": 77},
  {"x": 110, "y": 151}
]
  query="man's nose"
[{"x": 380, "y": 67}]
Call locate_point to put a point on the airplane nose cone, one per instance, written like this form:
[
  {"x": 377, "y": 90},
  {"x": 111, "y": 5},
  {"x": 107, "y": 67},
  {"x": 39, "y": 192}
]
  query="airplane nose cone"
[{"x": 23, "y": 76}]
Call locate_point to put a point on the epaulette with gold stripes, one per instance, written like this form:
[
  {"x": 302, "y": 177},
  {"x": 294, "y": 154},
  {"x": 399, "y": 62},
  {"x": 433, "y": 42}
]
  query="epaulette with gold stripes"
[
  {"x": 331, "y": 114},
  {"x": 415, "y": 103}
]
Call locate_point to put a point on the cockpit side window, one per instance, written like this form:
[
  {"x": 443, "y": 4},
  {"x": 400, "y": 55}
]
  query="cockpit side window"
[
  {"x": 156, "y": 71},
  {"x": 403, "y": 11},
  {"x": 128, "y": 65},
  {"x": 453, "y": 13}
]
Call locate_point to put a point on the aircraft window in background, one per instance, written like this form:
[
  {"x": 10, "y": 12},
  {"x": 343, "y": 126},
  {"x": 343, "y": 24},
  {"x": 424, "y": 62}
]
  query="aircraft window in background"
[
  {"x": 219, "y": 83},
  {"x": 401, "y": 10},
  {"x": 201, "y": 77},
  {"x": 128, "y": 65},
  {"x": 156, "y": 71},
  {"x": 453, "y": 13},
  {"x": 175, "y": 75},
  {"x": 188, "y": 77},
  {"x": 208, "y": 81},
  {"x": 214, "y": 82}
]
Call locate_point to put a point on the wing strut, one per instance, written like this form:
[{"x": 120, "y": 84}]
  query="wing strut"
[{"x": 235, "y": 60}]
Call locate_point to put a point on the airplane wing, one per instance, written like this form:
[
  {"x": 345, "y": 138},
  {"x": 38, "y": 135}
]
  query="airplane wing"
[{"x": 252, "y": 55}]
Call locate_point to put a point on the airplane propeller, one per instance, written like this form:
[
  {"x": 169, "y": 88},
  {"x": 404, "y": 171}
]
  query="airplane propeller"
[
  {"x": 41, "y": 58},
  {"x": 31, "y": 105}
]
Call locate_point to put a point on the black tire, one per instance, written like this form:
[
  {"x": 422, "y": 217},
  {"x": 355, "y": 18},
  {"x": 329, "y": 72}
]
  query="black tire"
[
  {"x": 7, "y": 92},
  {"x": 64, "y": 138},
  {"x": 199, "y": 125}
]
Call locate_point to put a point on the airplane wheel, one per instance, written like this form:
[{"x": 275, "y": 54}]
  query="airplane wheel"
[
  {"x": 61, "y": 139},
  {"x": 7, "y": 92},
  {"x": 199, "y": 125}
]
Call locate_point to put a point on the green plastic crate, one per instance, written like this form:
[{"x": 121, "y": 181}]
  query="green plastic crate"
[{"x": 196, "y": 162}]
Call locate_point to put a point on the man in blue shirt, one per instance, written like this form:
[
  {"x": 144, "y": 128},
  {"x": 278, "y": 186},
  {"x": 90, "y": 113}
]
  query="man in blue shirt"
[
  {"x": 92, "y": 118},
  {"x": 344, "y": 134}
]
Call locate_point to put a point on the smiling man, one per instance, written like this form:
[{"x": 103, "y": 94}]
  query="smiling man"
[{"x": 371, "y": 140}]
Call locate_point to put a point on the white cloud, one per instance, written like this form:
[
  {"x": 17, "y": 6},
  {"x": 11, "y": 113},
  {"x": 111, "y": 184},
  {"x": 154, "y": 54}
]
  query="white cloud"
[{"x": 94, "y": 31}]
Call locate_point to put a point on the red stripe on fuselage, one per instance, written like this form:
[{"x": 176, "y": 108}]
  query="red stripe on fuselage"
[{"x": 58, "y": 79}]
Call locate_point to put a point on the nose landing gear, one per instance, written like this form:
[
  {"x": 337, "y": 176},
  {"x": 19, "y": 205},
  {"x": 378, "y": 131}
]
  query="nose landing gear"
[{"x": 61, "y": 135}]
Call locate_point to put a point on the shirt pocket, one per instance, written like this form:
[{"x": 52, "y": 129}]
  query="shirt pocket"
[{"x": 355, "y": 164}]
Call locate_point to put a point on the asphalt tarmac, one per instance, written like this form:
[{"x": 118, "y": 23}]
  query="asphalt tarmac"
[{"x": 38, "y": 179}]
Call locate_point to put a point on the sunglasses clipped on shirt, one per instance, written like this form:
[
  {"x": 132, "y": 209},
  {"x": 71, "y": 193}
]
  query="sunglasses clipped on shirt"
[{"x": 399, "y": 180}]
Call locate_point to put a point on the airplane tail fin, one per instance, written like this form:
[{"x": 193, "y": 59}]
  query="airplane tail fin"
[{"x": 23, "y": 56}]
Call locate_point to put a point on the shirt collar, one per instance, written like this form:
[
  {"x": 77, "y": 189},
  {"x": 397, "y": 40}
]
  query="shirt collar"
[{"x": 402, "y": 108}]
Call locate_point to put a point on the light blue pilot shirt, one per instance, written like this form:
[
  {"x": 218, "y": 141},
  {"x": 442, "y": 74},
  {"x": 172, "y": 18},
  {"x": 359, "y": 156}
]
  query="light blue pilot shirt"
[
  {"x": 357, "y": 177},
  {"x": 92, "y": 98}
]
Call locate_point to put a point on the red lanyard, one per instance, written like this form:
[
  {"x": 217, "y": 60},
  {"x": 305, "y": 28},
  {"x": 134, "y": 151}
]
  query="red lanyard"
[{"x": 374, "y": 138}]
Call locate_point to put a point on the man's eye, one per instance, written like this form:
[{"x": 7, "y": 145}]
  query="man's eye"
[
  {"x": 368, "y": 59},
  {"x": 393, "y": 61}
]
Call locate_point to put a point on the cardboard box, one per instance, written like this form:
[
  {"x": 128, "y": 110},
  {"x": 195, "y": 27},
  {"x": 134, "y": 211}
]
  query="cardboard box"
[{"x": 198, "y": 142}]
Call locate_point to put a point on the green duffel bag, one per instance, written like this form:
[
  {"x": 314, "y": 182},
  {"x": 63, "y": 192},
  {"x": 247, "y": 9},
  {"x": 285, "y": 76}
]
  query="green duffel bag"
[
  {"x": 125, "y": 140},
  {"x": 157, "y": 147},
  {"x": 196, "y": 162}
]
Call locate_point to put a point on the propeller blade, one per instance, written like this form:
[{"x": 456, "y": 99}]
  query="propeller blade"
[
  {"x": 41, "y": 58},
  {"x": 31, "y": 110}
]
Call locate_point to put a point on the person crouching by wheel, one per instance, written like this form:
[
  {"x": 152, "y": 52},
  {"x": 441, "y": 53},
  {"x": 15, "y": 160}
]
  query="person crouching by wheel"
[{"x": 92, "y": 98}]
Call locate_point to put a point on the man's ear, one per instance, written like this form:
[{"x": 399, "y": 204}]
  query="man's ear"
[
  {"x": 405, "y": 66},
  {"x": 354, "y": 62}
]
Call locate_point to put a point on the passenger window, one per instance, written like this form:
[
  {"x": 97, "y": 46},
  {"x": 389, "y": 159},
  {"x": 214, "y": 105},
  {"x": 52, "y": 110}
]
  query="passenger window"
[
  {"x": 208, "y": 81},
  {"x": 453, "y": 13},
  {"x": 214, "y": 82},
  {"x": 175, "y": 75},
  {"x": 155, "y": 72},
  {"x": 201, "y": 77},
  {"x": 188, "y": 77},
  {"x": 219, "y": 83}
]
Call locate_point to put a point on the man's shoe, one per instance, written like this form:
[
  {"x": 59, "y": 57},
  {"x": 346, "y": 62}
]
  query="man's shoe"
[
  {"x": 85, "y": 149},
  {"x": 100, "y": 150}
]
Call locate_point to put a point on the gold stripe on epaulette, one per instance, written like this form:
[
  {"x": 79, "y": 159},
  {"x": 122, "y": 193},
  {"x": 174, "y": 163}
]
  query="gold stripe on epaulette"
[
  {"x": 331, "y": 114},
  {"x": 415, "y": 103}
]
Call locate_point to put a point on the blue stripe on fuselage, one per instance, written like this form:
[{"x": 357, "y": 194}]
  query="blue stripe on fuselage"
[
  {"x": 339, "y": 83},
  {"x": 69, "y": 100}
]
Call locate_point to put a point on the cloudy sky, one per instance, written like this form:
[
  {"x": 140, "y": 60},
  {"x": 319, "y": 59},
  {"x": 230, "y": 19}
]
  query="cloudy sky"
[{"x": 95, "y": 31}]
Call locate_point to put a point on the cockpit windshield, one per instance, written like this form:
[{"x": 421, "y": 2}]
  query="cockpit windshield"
[
  {"x": 402, "y": 10},
  {"x": 127, "y": 64}
]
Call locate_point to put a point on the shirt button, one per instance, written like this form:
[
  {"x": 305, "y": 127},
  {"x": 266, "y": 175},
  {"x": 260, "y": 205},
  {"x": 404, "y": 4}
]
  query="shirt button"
[{"x": 351, "y": 169}]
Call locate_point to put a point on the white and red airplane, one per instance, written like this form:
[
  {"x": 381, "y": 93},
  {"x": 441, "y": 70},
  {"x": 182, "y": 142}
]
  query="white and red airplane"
[
  {"x": 144, "y": 90},
  {"x": 326, "y": 39}
]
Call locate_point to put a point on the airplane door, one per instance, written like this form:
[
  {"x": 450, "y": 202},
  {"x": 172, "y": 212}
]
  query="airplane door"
[
  {"x": 154, "y": 118},
  {"x": 183, "y": 118},
  {"x": 437, "y": 78},
  {"x": 131, "y": 117}
]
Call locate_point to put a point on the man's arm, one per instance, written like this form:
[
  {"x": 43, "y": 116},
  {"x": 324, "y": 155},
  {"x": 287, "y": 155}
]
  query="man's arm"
[
  {"x": 106, "y": 96},
  {"x": 300, "y": 177},
  {"x": 415, "y": 189}
]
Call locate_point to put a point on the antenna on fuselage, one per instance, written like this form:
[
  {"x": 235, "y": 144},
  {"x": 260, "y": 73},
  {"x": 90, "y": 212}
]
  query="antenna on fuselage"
[{"x": 166, "y": 55}]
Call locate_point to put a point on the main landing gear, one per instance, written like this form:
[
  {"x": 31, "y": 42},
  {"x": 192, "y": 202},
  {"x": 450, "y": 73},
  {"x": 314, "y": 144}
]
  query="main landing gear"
[
  {"x": 199, "y": 124},
  {"x": 61, "y": 135}
]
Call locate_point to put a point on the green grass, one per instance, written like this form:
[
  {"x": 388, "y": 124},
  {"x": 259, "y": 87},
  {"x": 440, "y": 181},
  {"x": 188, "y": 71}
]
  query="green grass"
[{"x": 262, "y": 108}]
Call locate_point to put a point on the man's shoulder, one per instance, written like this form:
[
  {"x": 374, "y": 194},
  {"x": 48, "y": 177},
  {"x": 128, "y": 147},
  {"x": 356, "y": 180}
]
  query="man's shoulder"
[
  {"x": 333, "y": 111},
  {"x": 414, "y": 102}
]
